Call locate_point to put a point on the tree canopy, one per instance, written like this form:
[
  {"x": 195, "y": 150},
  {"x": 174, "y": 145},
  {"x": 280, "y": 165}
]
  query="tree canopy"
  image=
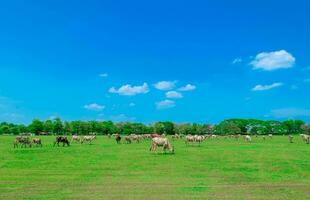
[{"x": 226, "y": 127}]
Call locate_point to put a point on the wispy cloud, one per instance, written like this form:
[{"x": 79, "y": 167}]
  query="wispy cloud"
[
  {"x": 121, "y": 118},
  {"x": 188, "y": 87},
  {"x": 165, "y": 104},
  {"x": 165, "y": 85},
  {"x": 94, "y": 107},
  {"x": 266, "y": 87},
  {"x": 103, "y": 75},
  {"x": 174, "y": 95},
  {"x": 290, "y": 112},
  {"x": 128, "y": 90},
  {"x": 270, "y": 61},
  {"x": 236, "y": 61}
]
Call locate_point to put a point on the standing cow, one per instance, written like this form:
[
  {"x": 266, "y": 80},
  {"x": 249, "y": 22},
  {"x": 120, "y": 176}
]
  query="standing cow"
[
  {"x": 161, "y": 142},
  {"x": 62, "y": 139},
  {"x": 37, "y": 142},
  {"x": 24, "y": 141}
]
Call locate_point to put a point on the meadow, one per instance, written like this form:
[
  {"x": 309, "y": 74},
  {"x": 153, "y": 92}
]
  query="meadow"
[{"x": 218, "y": 169}]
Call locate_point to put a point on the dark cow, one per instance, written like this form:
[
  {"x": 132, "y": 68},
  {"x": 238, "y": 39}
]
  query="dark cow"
[
  {"x": 23, "y": 141},
  {"x": 118, "y": 138},
  {"x": 63, "y": 140}
]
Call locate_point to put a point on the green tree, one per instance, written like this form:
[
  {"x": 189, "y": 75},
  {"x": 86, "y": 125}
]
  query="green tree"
[
  {"x": 48, "y": 126},
  {"x": 57, "y": 126},
  {"x": 36, "y": 126}
]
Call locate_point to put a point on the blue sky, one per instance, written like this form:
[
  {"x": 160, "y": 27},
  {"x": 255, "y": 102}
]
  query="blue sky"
[{"x": 186, "y": 61}]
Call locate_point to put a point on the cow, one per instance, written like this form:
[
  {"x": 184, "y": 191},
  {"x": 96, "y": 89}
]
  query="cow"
[
  {"x": 76, "y": 138},
  {"x": 135, "y": 138},
  {"x": 189, "y": 139},
  {"x": 305, "y": 138},
  {"x": 62, "y": 139},
  {"x": 37, "y": 142},
  {"x": 270, "y": 136},
  {"x": 23, "y": 141},
  {"x": 88, "y": 139},
  {"x": 155, "y": 135},
  {"x": 248, "y": 138},
  {"x": 118, "y": 138},
  {"x": 290, "y": 138},
  {"x": 176, "y": 136},
  {"x": 128, "y": 139},
  {"x": 161, "y": 142}
]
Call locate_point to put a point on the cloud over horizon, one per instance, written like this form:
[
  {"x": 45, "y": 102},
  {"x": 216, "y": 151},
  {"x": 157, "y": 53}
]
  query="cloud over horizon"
[{"x": 165, "y": 104}]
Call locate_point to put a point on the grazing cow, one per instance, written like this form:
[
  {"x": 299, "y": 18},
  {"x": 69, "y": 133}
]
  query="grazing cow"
[
  {"x": 23, "y": 141},
  {"x": 118, "y": 138},
  {"x": 76, "y": 138},
  {"x": 306, "y": 138},
  {"x": 88, "y": 139},
  {"x": 199, "y": 139},
  {"x": 128, "y": 139},
  {"x": 213, "y": 136},
  {"x": 194, "y": 139},
  {"x": 290, "y": 138},
  {"x": 189, "y": 139},
  {"x": 37, "y": 142},
  {"x": 161, "y": 142},
  {"x": 176, "y": 136},
  {"x": 62, "y": 139},
  {"x": 248, "y": 138},
  {"x": 270, "y": 136}
]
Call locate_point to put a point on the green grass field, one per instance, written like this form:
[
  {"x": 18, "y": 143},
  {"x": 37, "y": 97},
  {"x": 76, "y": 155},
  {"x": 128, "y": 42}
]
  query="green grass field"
[{"x": 219, "y": 169}]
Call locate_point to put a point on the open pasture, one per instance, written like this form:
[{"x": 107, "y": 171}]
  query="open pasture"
[{"x": 218, "y": 169}]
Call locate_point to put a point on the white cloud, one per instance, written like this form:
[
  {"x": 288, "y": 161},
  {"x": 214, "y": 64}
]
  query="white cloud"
[
  {"x": 187, "y": 87},
  {"x": 128, "y": 90},
  {"x": 122, "y": 118},
  {"x": 174, "y": 95},
  {"x": 290, "y": 112},
  {"x": 94, "y": 107},
  {"x": 132, "y": 104},
  {"x": 270, "y": 61},
  {"x": 165, "y": 85},
  {"x": 266, "y": 87},
  {"x": 165, "y": 104},
  {"x": 104, "y": 75},
  {"x": 236, "y": 61}
]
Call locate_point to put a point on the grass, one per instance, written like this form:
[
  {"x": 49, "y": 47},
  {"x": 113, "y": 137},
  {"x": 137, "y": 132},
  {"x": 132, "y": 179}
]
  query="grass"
[{"x": 218, "y": 169}]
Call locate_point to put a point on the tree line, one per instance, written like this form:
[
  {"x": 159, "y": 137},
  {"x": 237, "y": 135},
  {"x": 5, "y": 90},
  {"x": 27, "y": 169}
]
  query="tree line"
[{"x": 226, "y": 127}]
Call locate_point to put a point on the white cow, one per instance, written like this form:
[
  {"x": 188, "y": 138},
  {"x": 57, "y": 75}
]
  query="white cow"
[
  {"x": 161, "y": 142},
  {"x": 248, "y": 138},
  {"x": 88, "y": 139}
]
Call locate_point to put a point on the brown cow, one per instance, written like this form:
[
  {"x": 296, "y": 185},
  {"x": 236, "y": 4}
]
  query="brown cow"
[{"x": 37, "y": 142}]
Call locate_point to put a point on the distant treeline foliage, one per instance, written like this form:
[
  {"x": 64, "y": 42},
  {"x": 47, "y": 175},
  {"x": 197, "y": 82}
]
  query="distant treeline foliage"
[{"x": 226, "y": 127}]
